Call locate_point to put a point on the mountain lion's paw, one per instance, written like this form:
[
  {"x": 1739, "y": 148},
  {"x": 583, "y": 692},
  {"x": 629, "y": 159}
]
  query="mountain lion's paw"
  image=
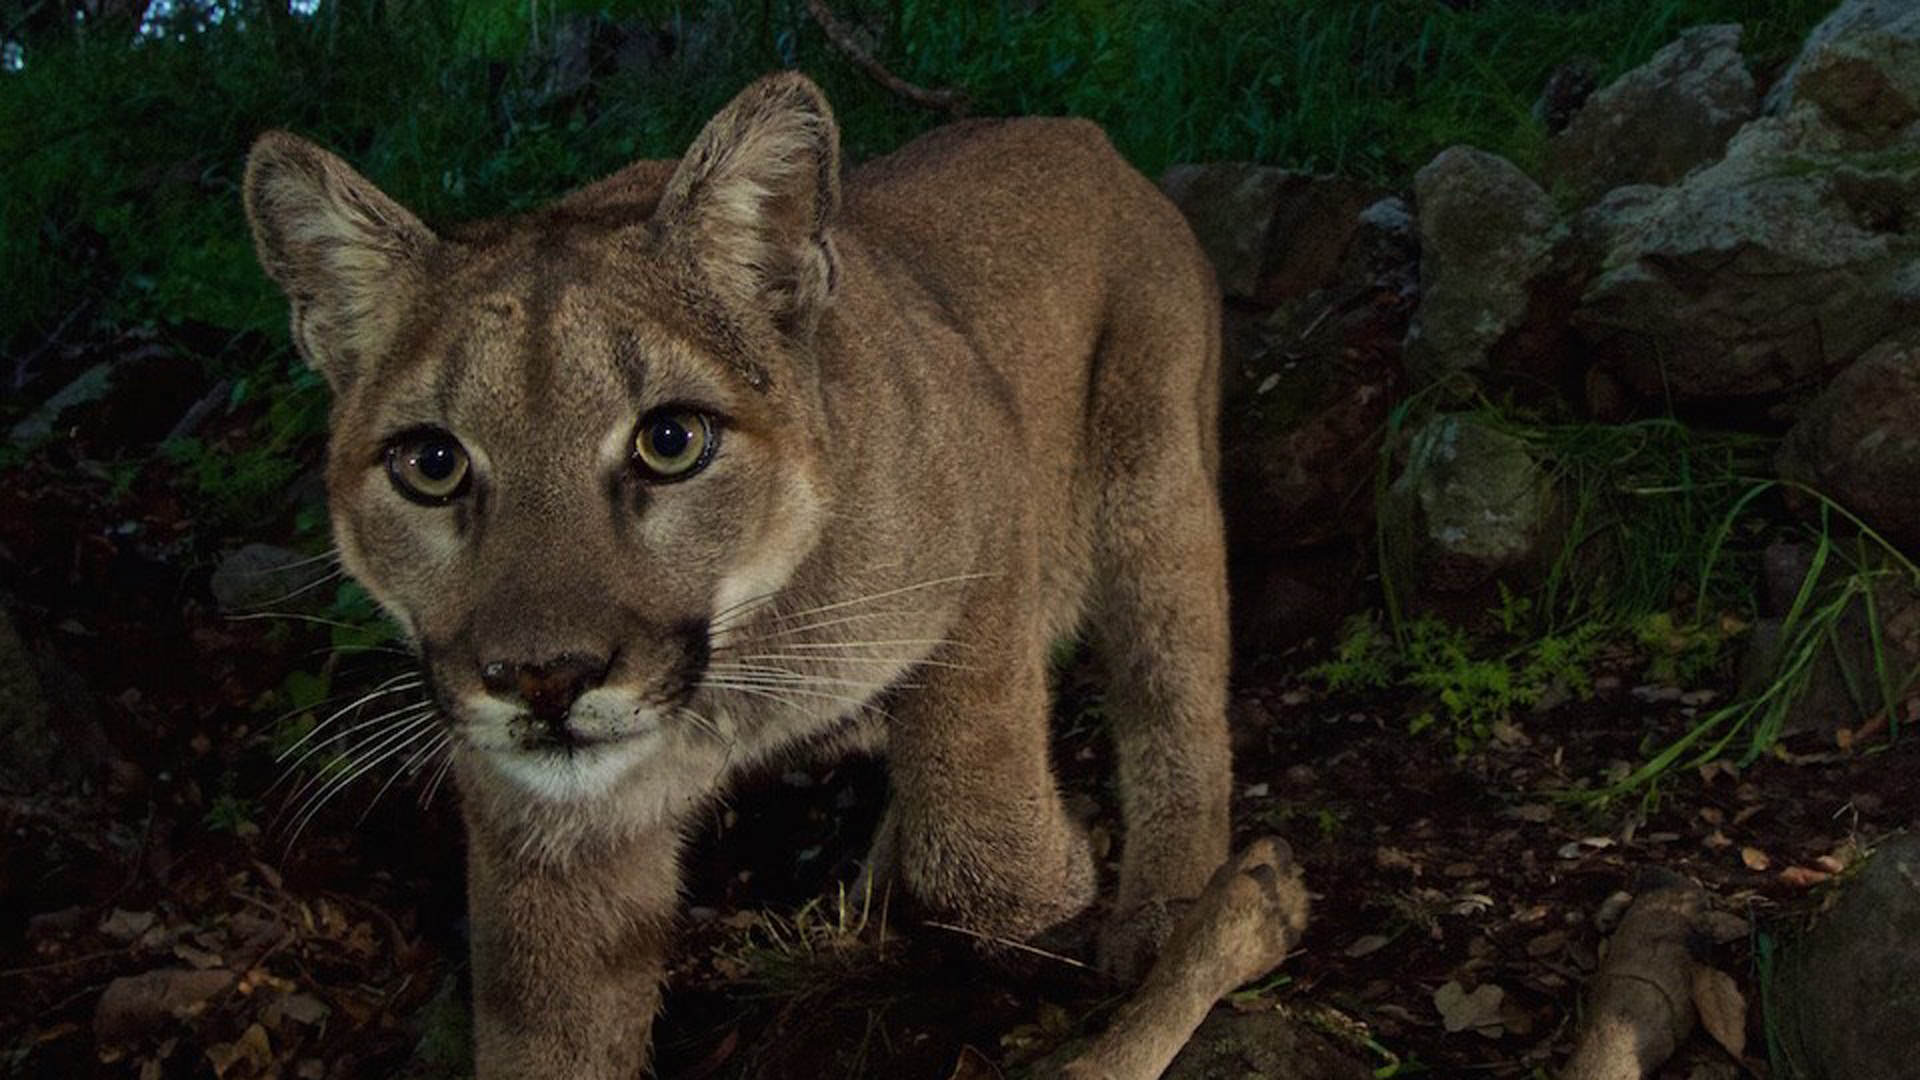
[{"x": 1252, "y": 912}]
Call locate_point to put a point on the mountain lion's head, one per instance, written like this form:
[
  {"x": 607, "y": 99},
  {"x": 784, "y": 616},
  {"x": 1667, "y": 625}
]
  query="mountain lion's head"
[{"x": 570, "y": 447}]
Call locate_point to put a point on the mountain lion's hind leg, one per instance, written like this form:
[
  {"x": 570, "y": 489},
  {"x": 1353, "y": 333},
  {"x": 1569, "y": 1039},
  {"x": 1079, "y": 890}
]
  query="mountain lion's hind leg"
[{"x": 1161, "y": 619}]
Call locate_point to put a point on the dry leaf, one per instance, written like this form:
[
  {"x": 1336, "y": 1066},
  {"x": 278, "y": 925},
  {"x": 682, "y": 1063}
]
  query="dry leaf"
[
  {"x": 1547, "y": 944},
  {"x": 299, "y": 1008},
  {"x": 1755, "y": 859},
  {"x": 199, "y": 958},
  {"x": 973, "y": 1066},
  {"x": 1366, "y": 945},
  {"x": 1803, "y": 877},
  {"x": 125, "y": 925},
  {"x": 1476, "y": 1011},
  {"x": 1723, "y": 1011},
  {"x": 251, "y": 1049}
]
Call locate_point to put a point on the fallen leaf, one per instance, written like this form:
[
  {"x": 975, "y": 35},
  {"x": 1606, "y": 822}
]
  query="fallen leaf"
[
  {"x": 301, "y": 1009},
  {"x": 251, "y": 1048},
  {"x": 1547, "y": 944},
  {"x": 1803, "y": 877},
  {"x": 972, "y": 1065},
  {"x": 199, "y": 958},
  {"x": 1755, "y": 859},
  {"x": 1366, "y": 945},
  {"x": 1723, "y": 1011},
  {"x": 1478, "y": 1010},
  {"x": 125, "y": 925},
  {"x": 1391, "y": 858}
]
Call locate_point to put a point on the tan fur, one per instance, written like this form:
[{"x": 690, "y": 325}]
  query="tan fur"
[{"x": 970, "y": 407}]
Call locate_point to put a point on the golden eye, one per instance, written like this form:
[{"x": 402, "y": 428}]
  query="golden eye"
[
  {"x": 673, "y": 444},
  {"x": 429, "y": 466}
]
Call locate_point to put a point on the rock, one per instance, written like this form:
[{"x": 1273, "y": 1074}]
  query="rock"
[
  {"x": 1269, "y": 232},
  {"x": 1232, "y": 1044},
  {"x": 1842, "y": 686},
  {"x": 1300, "y": 447},
  {"x": 1472, "y": 504},
  {"x": 1661, "y": 120},
  {"x": 1859, "y": 659},
  {"x": 134, "y": 1006},
  {"x": 1487, "y": 241},
  {"x": 1851, "y": 986},
  {"x": 261, "y": 577},
  {"x": 1868, "y": 85},
  {"x": 27, "y": 739},
  {"x": 1756, "y": 278},
  {"x": 1859, "y": 442},
  {"x": 1302, "y": 413},
  {"x": 91, "y": 385},
  {"x": 1856, "y": 28}
]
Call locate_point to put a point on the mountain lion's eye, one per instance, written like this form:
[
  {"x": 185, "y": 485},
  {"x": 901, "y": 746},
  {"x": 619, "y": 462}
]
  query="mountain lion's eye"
[
  {"x": 428, "y": 466},
  {"x": 673, "y": 444}
]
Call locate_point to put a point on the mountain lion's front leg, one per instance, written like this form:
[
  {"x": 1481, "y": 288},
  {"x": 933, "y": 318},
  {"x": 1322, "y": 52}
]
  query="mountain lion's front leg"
[
  {"x": 568, "y": 955},
  {"x": 976, "y": 830}
]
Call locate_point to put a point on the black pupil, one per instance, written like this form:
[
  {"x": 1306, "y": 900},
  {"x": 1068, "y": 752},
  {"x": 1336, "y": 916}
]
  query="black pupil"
[
  {"x": 670, "y": 438},
  {"x": 437, "y": 460}
]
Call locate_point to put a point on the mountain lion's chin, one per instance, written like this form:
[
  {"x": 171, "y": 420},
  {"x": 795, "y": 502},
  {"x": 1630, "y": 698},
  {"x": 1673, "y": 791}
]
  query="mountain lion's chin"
[{"x": 574, "y": 773}]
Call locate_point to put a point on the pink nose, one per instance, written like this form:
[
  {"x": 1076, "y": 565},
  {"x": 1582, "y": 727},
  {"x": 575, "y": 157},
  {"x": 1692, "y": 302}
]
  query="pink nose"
[{"x": 549, "y": 689}]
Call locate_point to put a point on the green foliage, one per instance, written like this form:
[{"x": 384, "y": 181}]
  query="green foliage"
[
  {"x": 231, "y": 485},
  {"x": 229, "y": 813},
  {"x": 119, "y": 160},
  {"x": 1847, "y": 574},
  {"x": 1467, "y": 685}
]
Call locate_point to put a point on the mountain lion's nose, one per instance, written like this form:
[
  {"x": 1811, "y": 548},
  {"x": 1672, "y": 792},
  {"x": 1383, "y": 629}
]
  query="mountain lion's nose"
[{"x": 549, "y": 689}]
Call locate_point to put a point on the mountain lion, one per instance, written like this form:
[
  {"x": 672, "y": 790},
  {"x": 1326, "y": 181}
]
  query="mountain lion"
[{"x": 719, "y": 459}]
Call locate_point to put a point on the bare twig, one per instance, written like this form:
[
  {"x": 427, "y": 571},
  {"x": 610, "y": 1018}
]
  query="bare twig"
[{"x": 950, "y": 100}]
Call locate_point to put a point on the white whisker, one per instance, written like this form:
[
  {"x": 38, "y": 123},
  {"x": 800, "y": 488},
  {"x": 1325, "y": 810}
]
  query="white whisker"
[
  {"x": 399, "y": 684},
  {"x": 385, "y": 748}
]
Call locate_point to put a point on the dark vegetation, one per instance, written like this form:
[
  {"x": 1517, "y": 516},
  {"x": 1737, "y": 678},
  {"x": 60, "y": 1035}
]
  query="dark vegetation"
[{"x": 1417, "y": 765}]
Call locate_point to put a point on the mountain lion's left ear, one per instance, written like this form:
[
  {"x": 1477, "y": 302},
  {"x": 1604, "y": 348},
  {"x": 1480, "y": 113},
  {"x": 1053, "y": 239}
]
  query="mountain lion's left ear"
[{"x": 753, "y": 197}]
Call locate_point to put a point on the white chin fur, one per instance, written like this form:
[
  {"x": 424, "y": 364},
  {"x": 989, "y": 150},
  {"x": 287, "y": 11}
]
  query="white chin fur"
[{"x": 572, "y": 775}]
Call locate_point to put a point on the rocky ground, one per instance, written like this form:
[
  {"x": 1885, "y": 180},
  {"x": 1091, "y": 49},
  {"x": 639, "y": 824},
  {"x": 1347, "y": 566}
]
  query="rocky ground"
[{"x": 1727, "y": 249}]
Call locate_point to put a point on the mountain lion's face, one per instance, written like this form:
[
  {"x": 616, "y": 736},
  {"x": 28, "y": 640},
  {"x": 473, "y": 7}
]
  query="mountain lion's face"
[
  {"x": 559, "y": 488},
  {"x": 572, "y": 452}
]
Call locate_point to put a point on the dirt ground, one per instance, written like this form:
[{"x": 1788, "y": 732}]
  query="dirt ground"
[{"x": 164, "y": 849}]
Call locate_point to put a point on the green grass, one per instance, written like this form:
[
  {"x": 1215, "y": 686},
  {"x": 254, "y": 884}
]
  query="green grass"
[
  {"x": 119, "y": 164},
  {"x": 1665, "y": 530}
]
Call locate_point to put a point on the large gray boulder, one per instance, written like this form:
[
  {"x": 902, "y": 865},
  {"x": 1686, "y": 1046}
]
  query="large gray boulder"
[
  {"x": 1851, "y": 986},
  {"x": 1488, "y": 234},
  {"x": 1661, "y": 120},
  {"x": 1857, "y": 65},
  {"x": 1859, "y": 441},
  {"x": 1758, "y": 277},
  {"x": 1474, "y": 504}
]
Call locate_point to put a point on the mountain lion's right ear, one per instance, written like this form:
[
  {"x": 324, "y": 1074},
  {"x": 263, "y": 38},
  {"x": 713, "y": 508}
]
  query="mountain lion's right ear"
[
  {"x": 752, "y": 200},
  {"x": 349, "y": 258}
]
